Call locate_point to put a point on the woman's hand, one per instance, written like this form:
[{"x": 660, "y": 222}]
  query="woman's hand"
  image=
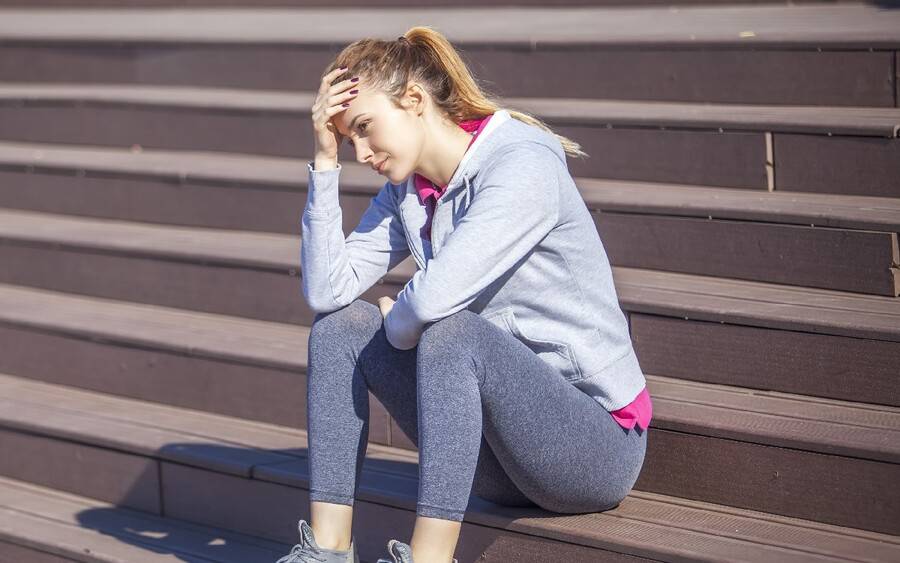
[
  {"x": 329, "y": 102},
  {"x": 385, "y": 304}
]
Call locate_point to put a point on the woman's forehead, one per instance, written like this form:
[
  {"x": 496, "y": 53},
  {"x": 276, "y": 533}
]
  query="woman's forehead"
[{"x": 360, "y": 105}]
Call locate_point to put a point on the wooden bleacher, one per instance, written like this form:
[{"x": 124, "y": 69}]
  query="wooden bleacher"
[{"x": 743, "y": 178}]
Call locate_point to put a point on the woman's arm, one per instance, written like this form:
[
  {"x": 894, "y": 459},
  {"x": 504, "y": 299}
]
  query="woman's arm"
[
  {"x": 516, "y": 207},
  {"x": 335, "y": 270}
]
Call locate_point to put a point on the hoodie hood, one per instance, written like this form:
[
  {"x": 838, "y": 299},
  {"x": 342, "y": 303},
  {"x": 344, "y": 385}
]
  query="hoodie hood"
[{"x": 501, "y": 130}]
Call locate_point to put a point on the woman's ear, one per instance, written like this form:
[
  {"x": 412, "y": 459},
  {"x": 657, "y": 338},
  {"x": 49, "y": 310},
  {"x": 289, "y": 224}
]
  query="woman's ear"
[{"x": 414, "y": 99}]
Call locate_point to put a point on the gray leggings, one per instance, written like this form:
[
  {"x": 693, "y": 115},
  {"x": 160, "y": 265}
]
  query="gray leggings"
[{"x": 487, "y": 415}]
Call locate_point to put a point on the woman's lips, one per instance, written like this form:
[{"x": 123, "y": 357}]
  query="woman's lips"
[{"x": 382, "y": 165}]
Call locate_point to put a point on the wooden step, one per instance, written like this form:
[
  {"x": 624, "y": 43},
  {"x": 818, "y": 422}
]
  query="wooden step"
[
  {"x": 203, "y": 361},
  {"x": 706, "y": 436},
  {"x": 177, "y": 358},
  {"x": 253, "y": 275},
  {"x": 674, "y": 318},
  {"x": 811, "y": 54},
  {"x": 849, "y": 150},
  {"x": 846, "y": 243},
  {"x": 211, "y": 189},
  {"x": 42, "y": 525},
  {"x": 128, "y": 449},
  {"x": 863, "y": 261},
  {"x": 256, "y": 4}
]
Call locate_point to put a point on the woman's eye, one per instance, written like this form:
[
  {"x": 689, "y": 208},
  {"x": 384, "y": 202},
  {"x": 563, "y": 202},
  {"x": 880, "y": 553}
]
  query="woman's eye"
[{"x": 360, "y": 127}]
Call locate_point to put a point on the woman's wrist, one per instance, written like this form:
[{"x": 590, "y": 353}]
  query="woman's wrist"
[{"x": 325, "y": 162}]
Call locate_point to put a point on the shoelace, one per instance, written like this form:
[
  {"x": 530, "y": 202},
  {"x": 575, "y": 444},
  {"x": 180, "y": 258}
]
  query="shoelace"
[{"x": 301, "y": 554}]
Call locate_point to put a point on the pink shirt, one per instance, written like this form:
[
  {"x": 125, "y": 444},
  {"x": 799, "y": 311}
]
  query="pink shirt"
[{"x": 640, "y": 410}]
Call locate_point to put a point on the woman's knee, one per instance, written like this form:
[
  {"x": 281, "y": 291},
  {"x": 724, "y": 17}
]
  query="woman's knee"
[
  {"x": 359, "y": 315},
  {"x": 449, "y": 329}
]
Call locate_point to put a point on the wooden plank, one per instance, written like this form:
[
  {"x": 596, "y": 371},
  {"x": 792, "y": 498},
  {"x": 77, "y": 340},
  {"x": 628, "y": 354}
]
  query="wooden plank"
[
  {"x": 241, "y": 503},
  {"x": 184, "y": 332},
  {"x": 19, "y": 554},
  {"x": 686, "y": 157},
  {"x": 18, "y": 99},
  {"x": 856, "y": 430},
  {"x": 837, "y": 165},
  {"x": 836, "y": 25},
  {"x": 270, "y": 510},
  {"x": 389, "y": 480},
  {"x": 190, "y": 284},
  {"x": 73, "y": 425},
  {"x": 689, "y": 73},
  {"x": 171, "y": 128},
  {"x": 830, "y": 489},
  {"x": 839, "y": 259},
  {"x": 178, "y": 424},
  {"x": 674, "y": 135},
  {"x": 355, "y": 3},
  {"x": 752, "y": 303},
  {"x": 131, "y": 186},
  {"x": 52, "y": 259},
  {"x": 259, "y": 250},
  {"x": 753, "y": 357},
  {"x": 592, "y": 112},
  {"x": 104, "y": 474},
  {"x": 154, "y": 373},
  {"x": 83, "y": 529},
  {"x": 674, "y": 294},
  {"x": 777, "y": 530},
  {"x": 399, "y": 439},
  {"x": 133, "y": 197},
  {"x": 792, "y": 208},
  {"x": 692, "y": 74}
]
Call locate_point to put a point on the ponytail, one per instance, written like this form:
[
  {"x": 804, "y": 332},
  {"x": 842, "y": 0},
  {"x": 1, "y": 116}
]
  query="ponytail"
[{"x": 425, "y": 55}]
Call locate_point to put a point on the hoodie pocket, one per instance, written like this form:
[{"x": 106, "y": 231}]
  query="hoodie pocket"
[{"x": 557, "y": 355}]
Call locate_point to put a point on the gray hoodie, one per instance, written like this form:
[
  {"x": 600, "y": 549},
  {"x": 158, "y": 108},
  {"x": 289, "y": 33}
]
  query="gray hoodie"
[{"x": 512, "y": 240}]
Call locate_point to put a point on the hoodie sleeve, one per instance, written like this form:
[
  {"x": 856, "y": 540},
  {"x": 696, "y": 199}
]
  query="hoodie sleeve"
[
  {"x": 513, "y": 210},
  {"x": 335, "y": 270}
]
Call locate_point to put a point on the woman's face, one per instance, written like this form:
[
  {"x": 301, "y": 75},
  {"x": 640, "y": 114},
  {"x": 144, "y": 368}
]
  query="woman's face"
[{"x": 381, "y": 134}]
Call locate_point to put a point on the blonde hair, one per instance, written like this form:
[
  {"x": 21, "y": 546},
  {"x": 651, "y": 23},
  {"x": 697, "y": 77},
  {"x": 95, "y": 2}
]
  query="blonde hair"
[{"x": 426, "y": 56}]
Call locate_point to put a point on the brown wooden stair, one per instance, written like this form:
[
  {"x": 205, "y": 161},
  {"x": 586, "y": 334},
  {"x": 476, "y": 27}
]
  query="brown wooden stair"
[
  {"x": 248, "y": 477},
  {"x": 832, "y": 241},
  {"x": 816, "y": 54},
  {"x": 153, "y": 332},
  {"x": 805, "y": 148},
  {"x": 814, "y": 450}
]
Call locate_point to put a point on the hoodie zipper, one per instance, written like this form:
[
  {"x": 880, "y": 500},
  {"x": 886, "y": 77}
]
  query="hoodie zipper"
[{"x": 435, "y": 215}]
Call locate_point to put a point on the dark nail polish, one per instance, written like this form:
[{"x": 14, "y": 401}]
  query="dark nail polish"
[
  {"x": 356, "y": 79},
  {"x": 354, "y": 91},
  {"x": 345, "y": 104}
]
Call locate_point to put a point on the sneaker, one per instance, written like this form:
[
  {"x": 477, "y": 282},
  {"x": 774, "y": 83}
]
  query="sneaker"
[
  {"x": 400, "y": 553},
  {"x": 308, "y": 551}
]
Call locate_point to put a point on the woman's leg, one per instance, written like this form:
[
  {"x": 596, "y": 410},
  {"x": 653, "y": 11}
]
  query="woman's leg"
[
  {"x": 348, "y": 355},
  {"x": 347, "y": 352},
  {"x": 559, "y": 446}
]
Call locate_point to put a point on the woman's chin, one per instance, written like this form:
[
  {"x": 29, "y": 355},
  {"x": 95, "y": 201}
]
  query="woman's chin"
[{"x": 390, "y": 175}]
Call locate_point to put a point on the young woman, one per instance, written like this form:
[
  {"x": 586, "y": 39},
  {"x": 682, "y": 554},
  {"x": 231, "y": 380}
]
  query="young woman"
[{"x": 506, "y": 358}]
